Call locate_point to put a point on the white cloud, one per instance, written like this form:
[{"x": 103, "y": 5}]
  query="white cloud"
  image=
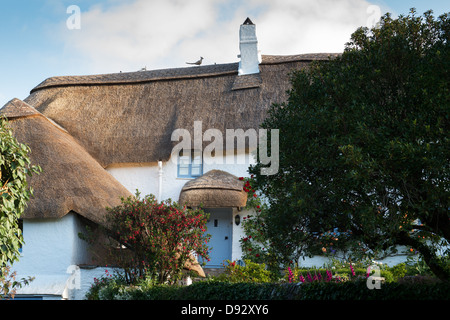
[
  {"x": 305, "y": 26},
  {"x": 130, "y": 35}
]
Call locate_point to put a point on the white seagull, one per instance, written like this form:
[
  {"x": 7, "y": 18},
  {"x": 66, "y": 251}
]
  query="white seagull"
[{"x": 199, "y": 62}]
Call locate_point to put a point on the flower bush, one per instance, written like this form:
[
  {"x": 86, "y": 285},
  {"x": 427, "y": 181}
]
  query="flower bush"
[
  {"x": 151, "y": 239},
  {"x": 341, "y": 271}
]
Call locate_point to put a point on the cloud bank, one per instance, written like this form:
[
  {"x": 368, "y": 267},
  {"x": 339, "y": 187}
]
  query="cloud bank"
[{"x": 128, "y": 35}]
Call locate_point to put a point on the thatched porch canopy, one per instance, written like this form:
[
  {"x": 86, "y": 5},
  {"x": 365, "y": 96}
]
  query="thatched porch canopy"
[
  {"x": 215, "y": 189},
  {"x": 71, "y": 180}
]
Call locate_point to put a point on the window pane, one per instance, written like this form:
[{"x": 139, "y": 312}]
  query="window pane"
[
  {"x": 197, "y": 160},
  {"x": 196, "y": 170},
  {"x": 183, "y": 171},
  {"x": 190, "y": 163},
  {"x": 184, "y": 161}
]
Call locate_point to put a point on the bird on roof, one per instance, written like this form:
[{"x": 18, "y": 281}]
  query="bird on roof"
[{"x": 199, "y": 62}]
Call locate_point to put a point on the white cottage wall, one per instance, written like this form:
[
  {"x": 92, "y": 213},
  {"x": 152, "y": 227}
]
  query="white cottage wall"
[
  {"x": 52, "y": 248},
  {"x": 238, "y": 233}
]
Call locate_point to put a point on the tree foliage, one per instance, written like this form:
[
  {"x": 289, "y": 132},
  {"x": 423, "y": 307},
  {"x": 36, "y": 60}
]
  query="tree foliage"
[
  {"x": 364, "y": 146},
  {"x": 15, "y": 167}
]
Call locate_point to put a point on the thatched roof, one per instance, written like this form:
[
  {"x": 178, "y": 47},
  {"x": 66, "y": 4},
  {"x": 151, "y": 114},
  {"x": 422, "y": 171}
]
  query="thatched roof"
[
  {"x": 71, "y": 180},
  {"x": 215, "y": 189},
  {"x": 129, "y": 117}
]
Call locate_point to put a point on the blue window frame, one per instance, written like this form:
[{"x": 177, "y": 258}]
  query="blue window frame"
[{"x": 190, "y": 164}]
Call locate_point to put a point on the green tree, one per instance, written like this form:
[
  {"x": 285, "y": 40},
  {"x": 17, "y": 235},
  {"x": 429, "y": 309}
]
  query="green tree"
[
  {"x": 15, "y": 167},
  {"x": 364, "y": 147}
]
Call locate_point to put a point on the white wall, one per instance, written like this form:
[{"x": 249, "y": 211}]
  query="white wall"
[
  {"x": 51, "y": 247},
  {"x": 238, "y": 234}
]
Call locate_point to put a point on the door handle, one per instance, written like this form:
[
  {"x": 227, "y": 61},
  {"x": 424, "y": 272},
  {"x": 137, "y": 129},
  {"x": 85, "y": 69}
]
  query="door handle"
[{"x": 226, "y": 238}]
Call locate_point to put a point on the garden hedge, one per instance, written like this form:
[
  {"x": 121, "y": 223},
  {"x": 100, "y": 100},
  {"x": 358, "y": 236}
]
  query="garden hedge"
[{"x": 215, "y": 290}]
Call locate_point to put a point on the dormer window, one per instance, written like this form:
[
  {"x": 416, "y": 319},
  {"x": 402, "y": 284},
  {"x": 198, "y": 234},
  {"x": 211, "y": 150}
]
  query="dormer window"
[{"x": 190, "y": 164}]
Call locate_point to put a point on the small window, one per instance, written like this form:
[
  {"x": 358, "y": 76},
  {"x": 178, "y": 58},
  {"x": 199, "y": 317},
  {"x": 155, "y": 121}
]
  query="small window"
[{"x": 190, "y": 164}]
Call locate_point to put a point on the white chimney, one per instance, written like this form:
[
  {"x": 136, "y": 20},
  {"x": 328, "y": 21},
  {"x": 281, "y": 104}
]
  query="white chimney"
[{"x": 248, "y": 45}]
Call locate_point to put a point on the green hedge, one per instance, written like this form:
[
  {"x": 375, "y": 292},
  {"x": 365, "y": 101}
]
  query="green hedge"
[
  {"x": 215, "y": 290},
  {"x": 344, "y": 272}
]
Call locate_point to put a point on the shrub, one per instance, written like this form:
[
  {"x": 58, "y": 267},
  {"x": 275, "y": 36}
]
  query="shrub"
[
  {"x": 399, "y": 271},
  {"x": 15, "y": 192},
  {"x": 148, "y": 239},
  {"x": 219, "y": 290},
  {"x": 248, "y": 272}
]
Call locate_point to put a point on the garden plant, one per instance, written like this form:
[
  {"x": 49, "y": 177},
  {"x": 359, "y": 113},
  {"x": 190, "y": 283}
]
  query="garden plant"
[{"x": 151, "y": 240}]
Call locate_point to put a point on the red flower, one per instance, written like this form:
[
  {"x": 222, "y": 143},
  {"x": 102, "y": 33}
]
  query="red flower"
[{"x": 241, "y": 178}]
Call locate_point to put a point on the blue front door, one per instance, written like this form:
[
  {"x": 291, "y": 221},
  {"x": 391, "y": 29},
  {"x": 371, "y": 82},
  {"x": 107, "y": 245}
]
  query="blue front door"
[{"x": 219, "y": 227}]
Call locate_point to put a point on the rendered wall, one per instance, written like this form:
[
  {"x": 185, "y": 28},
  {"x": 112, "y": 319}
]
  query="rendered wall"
[{"x": 51, "y": 251}]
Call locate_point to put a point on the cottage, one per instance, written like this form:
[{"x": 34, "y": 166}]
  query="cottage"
[{"x": 99, "y": 137}]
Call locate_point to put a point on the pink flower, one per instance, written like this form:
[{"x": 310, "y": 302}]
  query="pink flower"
[
  {"x": 301, "y": 278},
  {"x": 315, "y": 277},
  {"x": 352, "y": 270},
  {"x": 329, "y": 276},
  {"x": 290, "y": 278}
]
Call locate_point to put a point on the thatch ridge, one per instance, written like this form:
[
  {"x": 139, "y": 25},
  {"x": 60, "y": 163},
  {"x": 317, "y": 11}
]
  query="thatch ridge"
[
  {"x": 271, "y": 59},
  {"x": 123, "y": 78},
  {"x": 16, "y": 108},
  {"x": 71, "y": 180}
]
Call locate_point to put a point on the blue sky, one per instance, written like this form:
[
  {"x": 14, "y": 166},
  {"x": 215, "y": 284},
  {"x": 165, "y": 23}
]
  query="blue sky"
[{"x": 126, "y": 35}]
